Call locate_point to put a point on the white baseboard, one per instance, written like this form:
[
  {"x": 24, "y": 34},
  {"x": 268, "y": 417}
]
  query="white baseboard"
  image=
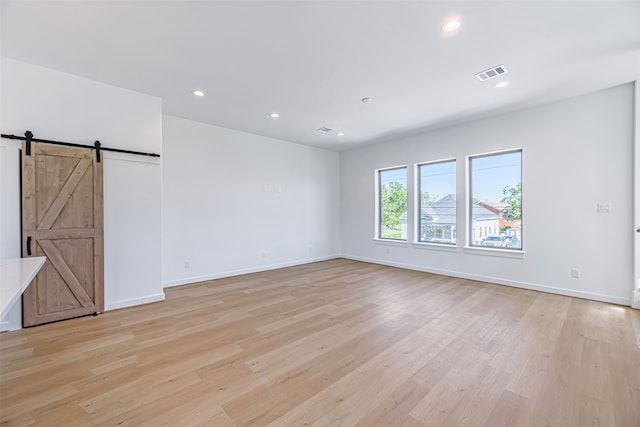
[
  {"x": 134, "y": 301},
  {"x": 204, "y": 278},
  {"x": 499, "y": 281},
  {"x": 10, "y": 326}
]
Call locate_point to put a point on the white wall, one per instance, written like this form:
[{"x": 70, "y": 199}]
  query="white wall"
[
  {"x": 59, "y": 106},
  {"x": 636, "y": 210},
  {"x": 576, "y": 153},
  {"x": 235, "y": 202}
]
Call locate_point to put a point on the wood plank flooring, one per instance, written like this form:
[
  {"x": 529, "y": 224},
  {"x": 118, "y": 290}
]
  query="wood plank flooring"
[{"x": 334, "y": 343}]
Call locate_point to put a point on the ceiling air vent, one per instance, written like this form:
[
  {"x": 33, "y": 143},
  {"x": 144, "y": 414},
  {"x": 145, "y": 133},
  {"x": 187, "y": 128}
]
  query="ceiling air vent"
[
  {"x": 324, "y": 129},
  {"x": 491, "y": 73}
]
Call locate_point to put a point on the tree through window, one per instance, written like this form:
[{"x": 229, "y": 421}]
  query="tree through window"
[
  {"x": 496, "y": 200},
  {"x": 392, "y": 208}
]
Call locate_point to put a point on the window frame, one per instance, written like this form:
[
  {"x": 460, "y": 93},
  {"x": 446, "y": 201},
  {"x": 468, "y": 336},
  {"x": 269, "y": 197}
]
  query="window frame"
[
  {"x": 378, "y": 202},
  {"x": 418, "y": 201},
  {"x": 469, "y": 246}
]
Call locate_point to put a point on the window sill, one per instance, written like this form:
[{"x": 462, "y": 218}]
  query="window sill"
[
  {"x": 390, "y": 242},
  {"x": 435, "y": 246},
  {"x": 503, "y": 253}
]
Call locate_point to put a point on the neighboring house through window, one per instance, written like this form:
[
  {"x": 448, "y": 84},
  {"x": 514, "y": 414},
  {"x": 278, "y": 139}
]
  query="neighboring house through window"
[
  {"x": 496, "y": 200},
  {"x": 437, "y": 202}
]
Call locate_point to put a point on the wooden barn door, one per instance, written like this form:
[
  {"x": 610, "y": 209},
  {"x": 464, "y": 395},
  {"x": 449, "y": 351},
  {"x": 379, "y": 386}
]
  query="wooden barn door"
[{"x": 62, "y": 220}]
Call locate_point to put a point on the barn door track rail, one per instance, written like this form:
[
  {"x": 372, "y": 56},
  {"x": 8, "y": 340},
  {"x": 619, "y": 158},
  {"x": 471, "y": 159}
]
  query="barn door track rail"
[{"x": 28, "y": 137}]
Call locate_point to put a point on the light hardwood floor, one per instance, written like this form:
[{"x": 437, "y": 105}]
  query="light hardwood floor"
[{"x": 335, "y": 343}]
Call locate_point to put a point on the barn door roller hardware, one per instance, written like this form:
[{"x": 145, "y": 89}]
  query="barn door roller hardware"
[
  {"x": 97, "y": 148},
  {"x": 28, "y": 138}
]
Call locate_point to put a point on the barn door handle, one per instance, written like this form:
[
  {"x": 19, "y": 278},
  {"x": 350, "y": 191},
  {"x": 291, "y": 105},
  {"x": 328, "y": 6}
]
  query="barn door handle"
[{"x": 28, "y": 245}]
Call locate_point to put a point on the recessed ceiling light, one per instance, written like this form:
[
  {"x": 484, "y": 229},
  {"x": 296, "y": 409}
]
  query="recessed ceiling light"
[
  {"x": 502, "y": 84},
  {"x": 340, "y": 133},
  {"x": 451, "y": 25},
  {"x": 366, "y": 99},
  {"x": 274, "y": 115},
  {"x": 198, "y": 93}
]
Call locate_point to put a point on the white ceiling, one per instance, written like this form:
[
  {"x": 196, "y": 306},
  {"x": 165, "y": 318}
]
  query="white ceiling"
[{"x": 313, "y": 61}]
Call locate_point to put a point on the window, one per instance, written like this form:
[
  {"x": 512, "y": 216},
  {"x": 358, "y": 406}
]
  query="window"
[
  {"x": 392, "y": 203},
  {"x": 437, "y": 207},
  {"x": 496, "y": 200}
]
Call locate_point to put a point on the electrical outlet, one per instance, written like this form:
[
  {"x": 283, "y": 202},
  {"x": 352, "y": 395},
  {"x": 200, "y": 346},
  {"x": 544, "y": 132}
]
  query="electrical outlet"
[
  {"x": 187, "y": 263},
  {"x": 264, "y": 254},
  {"x": 575, "y": 273},
  {"x": 604, "y": 208},
  {"x": 388, "y": 251}
]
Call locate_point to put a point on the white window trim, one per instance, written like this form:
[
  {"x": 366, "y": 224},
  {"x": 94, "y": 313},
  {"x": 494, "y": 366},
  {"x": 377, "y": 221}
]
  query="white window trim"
[
  {"x": 376, "y": 190},
  {"x": 391, "y": 242},
  {"x": 442, "y": 247},
  {"x": 494, "y": 252},
  {"x": 468, "y": 248},
  {"x": 418, "y": 201}
]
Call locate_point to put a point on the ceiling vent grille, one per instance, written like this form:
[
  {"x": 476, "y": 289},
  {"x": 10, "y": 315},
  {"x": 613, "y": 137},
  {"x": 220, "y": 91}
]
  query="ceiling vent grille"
[
  {"x": 324, "y": 129},
  {"x": 491, "y": 73}
]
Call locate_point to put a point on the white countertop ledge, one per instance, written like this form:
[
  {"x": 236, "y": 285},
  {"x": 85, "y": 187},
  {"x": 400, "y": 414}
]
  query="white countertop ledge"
[{"x": 15, "y": 276}]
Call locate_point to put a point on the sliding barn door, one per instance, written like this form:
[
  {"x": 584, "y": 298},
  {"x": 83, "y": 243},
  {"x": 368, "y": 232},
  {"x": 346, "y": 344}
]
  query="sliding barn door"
[{"x": 62, "y": 220}]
